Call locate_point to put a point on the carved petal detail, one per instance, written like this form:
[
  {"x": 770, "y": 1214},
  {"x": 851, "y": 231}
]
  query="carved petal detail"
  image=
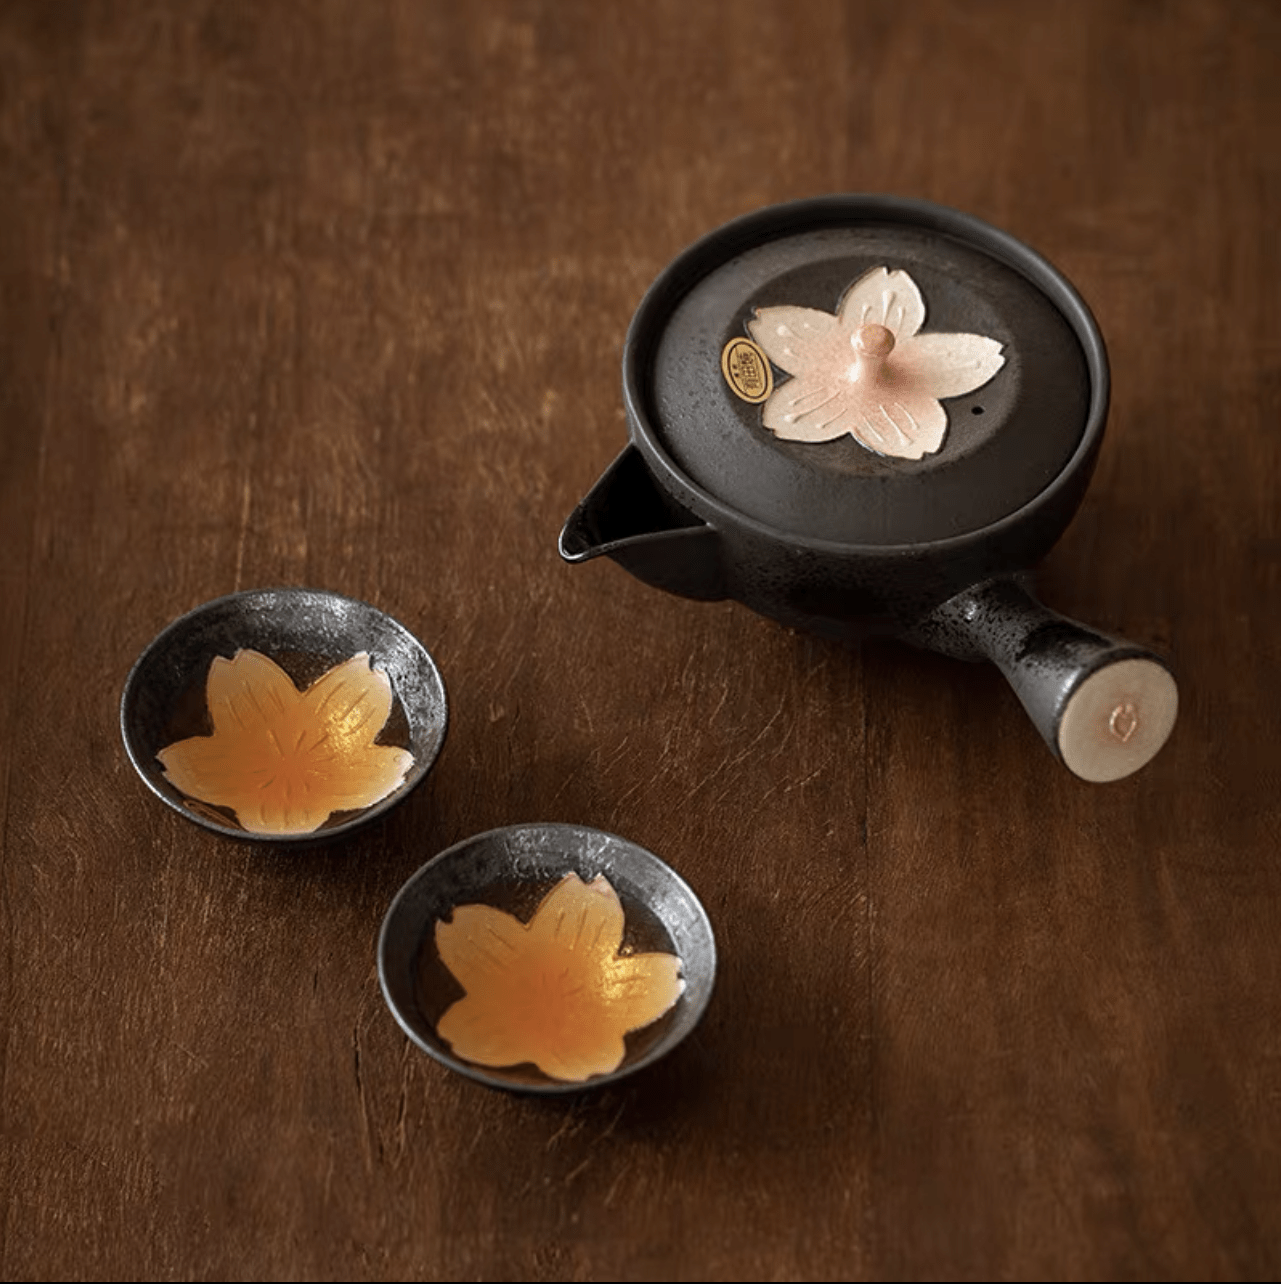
[
  {"x": 885, "y": 298},
  {"x": 954, "y": 364},
  {"x": 794, "y": 337}
]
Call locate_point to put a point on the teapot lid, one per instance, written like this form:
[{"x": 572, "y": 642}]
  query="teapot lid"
[{"x": 864, "y": 370}]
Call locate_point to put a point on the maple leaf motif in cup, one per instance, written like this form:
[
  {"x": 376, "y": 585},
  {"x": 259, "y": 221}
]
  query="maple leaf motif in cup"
[
  {"x": 868, "y": 371},
  {"x": 285, "y": 759},
  {"x": 554, "y": 991}
]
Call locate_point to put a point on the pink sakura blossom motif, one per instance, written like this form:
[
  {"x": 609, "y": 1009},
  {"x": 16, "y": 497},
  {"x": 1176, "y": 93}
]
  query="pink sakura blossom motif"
[{"x": 868, "y": 371}]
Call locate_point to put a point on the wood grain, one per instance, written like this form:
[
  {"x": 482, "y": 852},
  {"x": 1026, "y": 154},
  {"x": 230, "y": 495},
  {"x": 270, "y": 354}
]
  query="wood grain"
[{"x": 334, "y": 294}]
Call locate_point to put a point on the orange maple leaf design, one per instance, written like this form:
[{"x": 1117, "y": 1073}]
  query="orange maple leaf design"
[
  {"x": 283, "y": 759},
  {"x": 554, "y": 991}
]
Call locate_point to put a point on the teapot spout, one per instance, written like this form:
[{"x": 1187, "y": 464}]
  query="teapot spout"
[{"x": 629, "y": 519}]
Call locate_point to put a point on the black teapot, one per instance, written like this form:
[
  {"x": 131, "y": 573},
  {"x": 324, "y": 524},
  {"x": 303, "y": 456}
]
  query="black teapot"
[{"x": 871, "y": 415}]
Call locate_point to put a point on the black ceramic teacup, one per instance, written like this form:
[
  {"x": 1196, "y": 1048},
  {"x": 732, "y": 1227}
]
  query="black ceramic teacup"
[{"x": 304, "y": 634}]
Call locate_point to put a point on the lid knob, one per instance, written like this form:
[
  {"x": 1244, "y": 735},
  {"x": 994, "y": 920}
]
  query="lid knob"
[{"x": 872, "y": 345}]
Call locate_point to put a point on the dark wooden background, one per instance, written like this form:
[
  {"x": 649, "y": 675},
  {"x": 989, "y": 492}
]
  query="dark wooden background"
[{"x": 334, "y": 294}]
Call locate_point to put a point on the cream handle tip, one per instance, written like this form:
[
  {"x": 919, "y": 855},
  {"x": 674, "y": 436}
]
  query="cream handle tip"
[{"x": 1117, "y": 719}]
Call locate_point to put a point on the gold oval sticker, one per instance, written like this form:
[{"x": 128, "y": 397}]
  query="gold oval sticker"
[{"x": 746, "y": 368}]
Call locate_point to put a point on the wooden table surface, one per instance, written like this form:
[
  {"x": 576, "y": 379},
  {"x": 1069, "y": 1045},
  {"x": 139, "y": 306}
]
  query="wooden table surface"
[{"x": 334, "y": 294}]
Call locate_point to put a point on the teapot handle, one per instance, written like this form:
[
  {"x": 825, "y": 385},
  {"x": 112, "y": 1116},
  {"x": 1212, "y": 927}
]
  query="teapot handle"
[{"x": 1105, "y": 706}]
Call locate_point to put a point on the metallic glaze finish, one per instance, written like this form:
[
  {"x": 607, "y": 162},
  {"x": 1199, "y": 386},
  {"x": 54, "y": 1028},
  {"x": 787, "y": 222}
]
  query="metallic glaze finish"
[
  {"x": 327, "y": 626},
  {"x": 498, "y": 867}
]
